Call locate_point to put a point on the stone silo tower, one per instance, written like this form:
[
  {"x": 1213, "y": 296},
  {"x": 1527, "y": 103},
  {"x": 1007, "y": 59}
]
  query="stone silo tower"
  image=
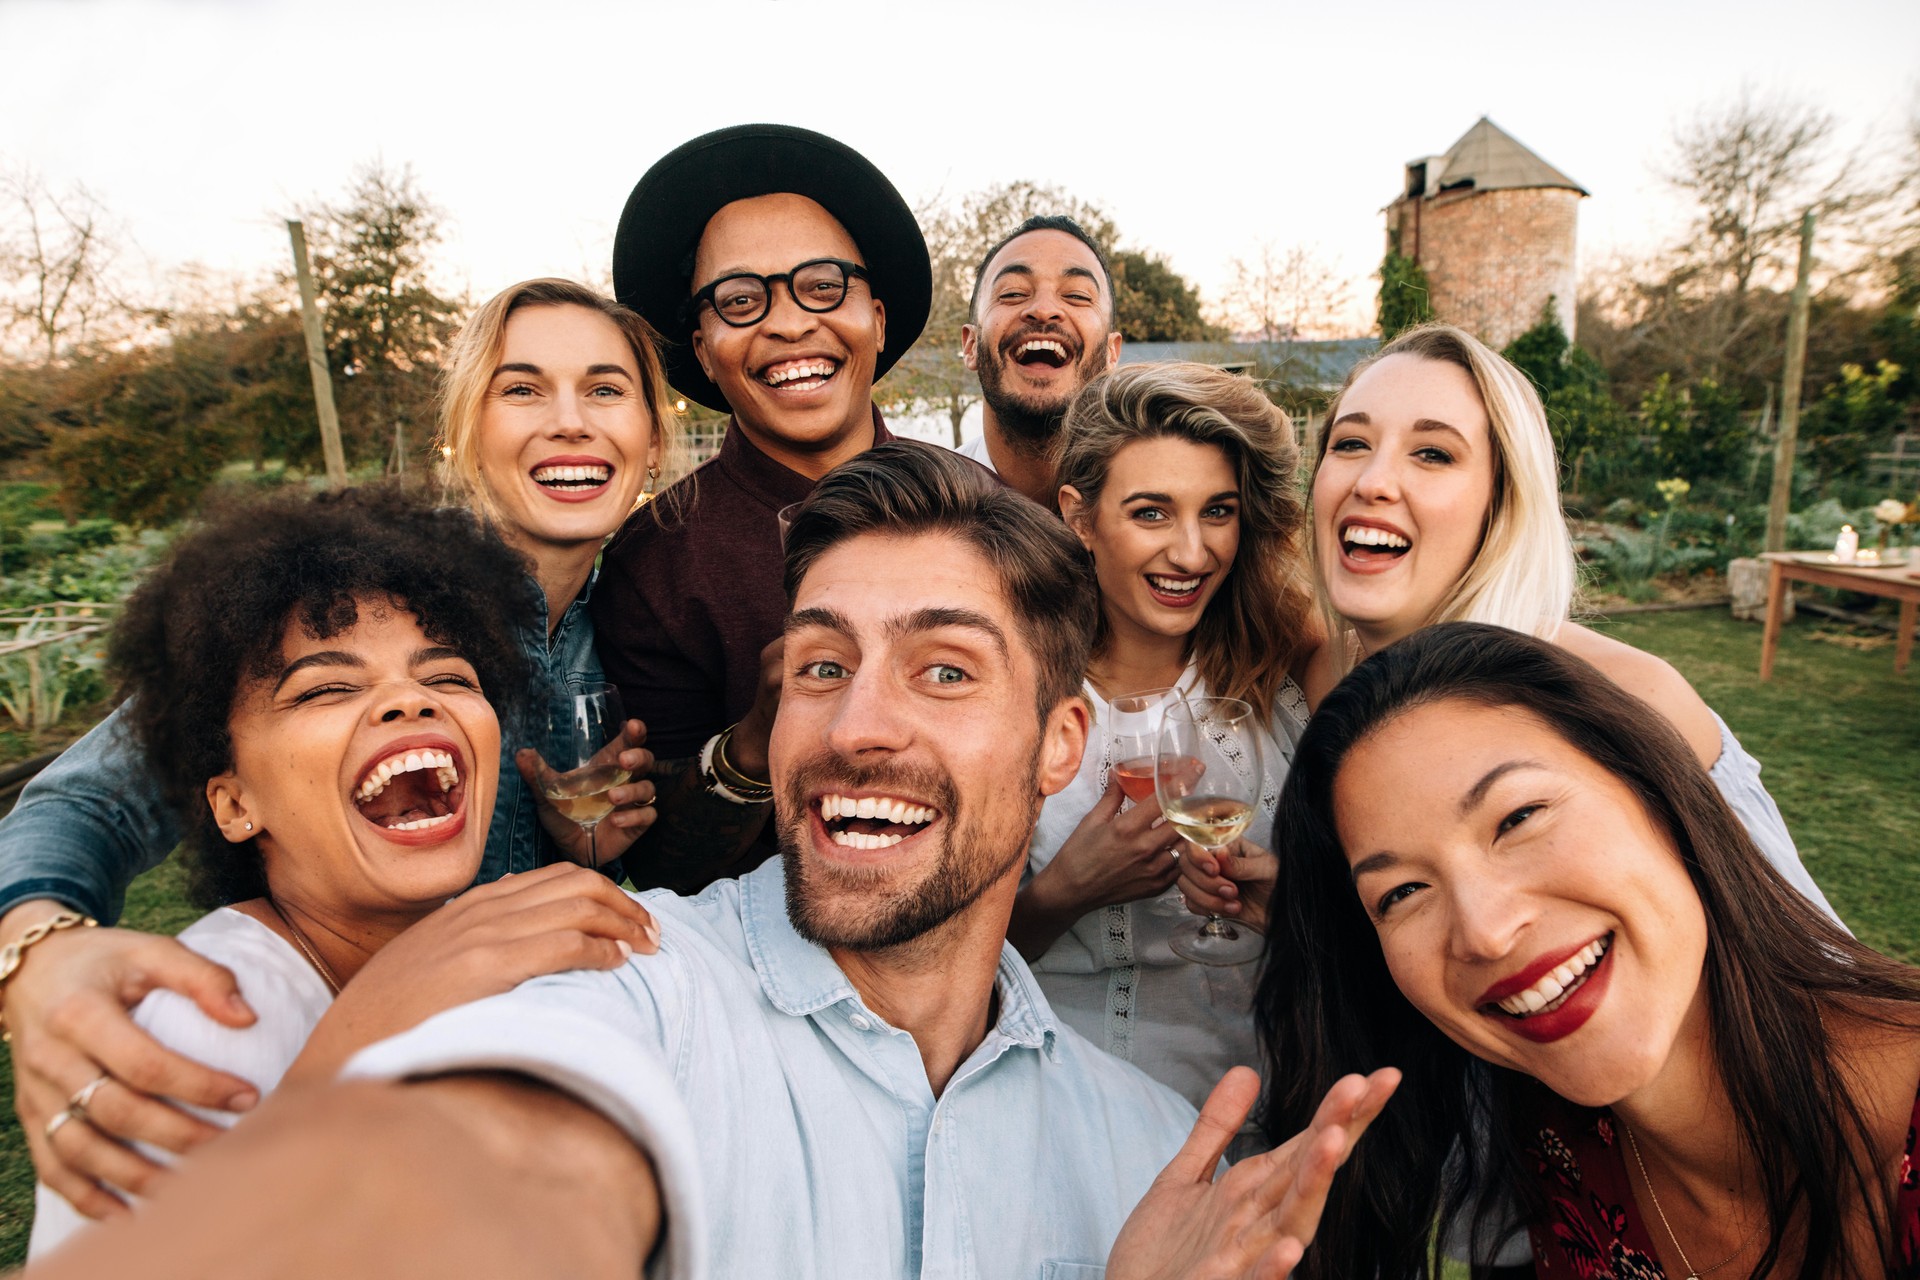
[{"x": 1493, "y": 226}]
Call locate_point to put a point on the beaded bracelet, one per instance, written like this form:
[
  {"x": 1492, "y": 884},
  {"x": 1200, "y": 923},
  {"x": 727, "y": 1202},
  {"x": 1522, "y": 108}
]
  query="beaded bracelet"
[{"x": 14, "y": 952}]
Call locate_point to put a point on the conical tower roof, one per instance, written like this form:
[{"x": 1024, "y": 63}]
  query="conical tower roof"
[{"x": 1488, "y": 158}]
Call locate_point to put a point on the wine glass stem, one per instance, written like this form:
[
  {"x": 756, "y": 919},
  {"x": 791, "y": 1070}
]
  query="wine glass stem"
[{"x": 593, "y": 848}]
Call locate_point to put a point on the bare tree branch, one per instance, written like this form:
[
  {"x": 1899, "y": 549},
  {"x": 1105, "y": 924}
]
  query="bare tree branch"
[
  {"x": 1285, "y": 295},
  {"x": 56, "y": 254}
]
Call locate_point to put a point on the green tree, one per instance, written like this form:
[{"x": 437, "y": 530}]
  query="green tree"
[
  {"x": 1154, "y": 303},
  {"x": 1580, "y": 410},
  {"x": 1541, "y": 352},
  {"x": 386, "y": 322},
  {"x": 138, "y": 434},
  {"x": 1406, "y": 299},
  {"x": 1855, "y": 414},
  {"x": 1698, "y": 430},
  {"x": 149, "y": 439}
]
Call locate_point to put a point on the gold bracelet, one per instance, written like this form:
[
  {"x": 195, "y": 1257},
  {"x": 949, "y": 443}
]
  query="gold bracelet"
[
  {"x": 737, "y": 781},
  {"x": 14, "y": 952},
  {"x": 734, "y": 783}
]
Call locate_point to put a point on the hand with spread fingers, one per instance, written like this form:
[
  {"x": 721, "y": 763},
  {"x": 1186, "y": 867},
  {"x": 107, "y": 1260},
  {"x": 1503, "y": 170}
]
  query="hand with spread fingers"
[
  {"x": 1255, "y": 1220},
  {"x": 1237, "y": 882},
  {"x": 66, "y": 1010},
  {"x": 488, "y": 940},
  {"x": 633, "y": 810}
]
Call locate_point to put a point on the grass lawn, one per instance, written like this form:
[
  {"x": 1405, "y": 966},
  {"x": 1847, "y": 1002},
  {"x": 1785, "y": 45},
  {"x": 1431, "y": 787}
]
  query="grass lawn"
[
  {"x": 1837, "y": 732},
  {"x": 1838, "y": 736}
]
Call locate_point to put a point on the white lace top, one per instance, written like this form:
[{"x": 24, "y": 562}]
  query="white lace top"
[{"x": 1113, "y": 977}]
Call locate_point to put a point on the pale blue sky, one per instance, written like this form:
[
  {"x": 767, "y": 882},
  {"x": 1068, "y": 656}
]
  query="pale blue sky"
[{"x": 1201, "y": 125}]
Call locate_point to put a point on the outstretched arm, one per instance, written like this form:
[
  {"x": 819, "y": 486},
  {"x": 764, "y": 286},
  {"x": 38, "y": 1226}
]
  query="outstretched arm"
[
  {"x": 486, "y": 941},
  {"x": 87, "y": 825},
  {"x": 473, "y": 1175}
]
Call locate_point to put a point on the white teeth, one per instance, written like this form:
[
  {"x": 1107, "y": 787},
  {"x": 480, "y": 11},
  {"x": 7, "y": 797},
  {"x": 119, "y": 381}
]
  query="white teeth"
[
  {"x": 814, "y": 369},
  {"x": 1367, "y": 536},
  {"x": 574, "y": 475},
  {"x": 885, "y": 808},
  {"x": 1043, "y": 344},
  {"x": 860, "y": 840},
  {"x": 422, "y": 823},
  {"x": 441, "y": 762},
  {"x": 1558, "y": 983},
  {"x": 1174, "y": 586}
]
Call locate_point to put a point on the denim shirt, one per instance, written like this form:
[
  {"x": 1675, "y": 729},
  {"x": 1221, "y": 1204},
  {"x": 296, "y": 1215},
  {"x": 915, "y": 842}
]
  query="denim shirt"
[
  {"x": 821, "y": 1148},
  {"x": 95, "y": 818}
]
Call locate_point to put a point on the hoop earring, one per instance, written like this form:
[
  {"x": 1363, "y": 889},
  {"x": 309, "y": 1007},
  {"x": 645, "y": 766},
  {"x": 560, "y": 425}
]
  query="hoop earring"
[{"x": 646, "y": 492}]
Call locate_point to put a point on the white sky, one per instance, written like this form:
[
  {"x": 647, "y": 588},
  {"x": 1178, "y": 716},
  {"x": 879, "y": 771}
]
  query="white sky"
[{"x": 1203, "y": 126}]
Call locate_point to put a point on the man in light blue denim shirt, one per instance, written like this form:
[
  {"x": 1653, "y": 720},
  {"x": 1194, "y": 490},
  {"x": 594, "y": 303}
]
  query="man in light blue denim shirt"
[{"x": 836, "y": 1066}]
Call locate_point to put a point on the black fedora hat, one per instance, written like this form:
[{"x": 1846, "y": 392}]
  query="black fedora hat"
[{"x": 673, "y": 201}]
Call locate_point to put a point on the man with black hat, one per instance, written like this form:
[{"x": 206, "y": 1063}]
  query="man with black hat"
[
  {"x": 787, "y": 274},
  {"x": 1040, "y": 327}
]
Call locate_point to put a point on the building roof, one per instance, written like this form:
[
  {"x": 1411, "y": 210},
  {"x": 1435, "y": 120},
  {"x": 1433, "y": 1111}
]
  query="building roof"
[
  {"x": 1303, "y": 364},
  {"x": 1488, "y": 158}
]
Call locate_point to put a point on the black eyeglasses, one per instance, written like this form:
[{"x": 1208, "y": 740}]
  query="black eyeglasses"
[{"x": 817, "y": 285}]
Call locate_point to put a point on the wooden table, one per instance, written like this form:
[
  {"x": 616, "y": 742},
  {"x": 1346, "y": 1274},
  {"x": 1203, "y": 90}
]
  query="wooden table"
[{"x": 1901, "y": 582}]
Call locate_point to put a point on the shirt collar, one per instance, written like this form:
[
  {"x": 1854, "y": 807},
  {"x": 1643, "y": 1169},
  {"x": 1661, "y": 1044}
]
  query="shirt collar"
[
  {"x": 773, "y": 484},
  {"x": 537, "y": 598},
  {"x": 801, "y": 978}
]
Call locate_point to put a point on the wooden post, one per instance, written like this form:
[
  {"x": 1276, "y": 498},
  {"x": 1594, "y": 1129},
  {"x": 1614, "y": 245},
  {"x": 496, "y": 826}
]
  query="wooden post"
[
  {"x": 1790, "y": 394},
  {"x": 317, "y": 362}
]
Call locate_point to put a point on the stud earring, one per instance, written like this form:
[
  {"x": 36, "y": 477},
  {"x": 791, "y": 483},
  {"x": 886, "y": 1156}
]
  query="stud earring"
[{"x": 249, "y": 826}]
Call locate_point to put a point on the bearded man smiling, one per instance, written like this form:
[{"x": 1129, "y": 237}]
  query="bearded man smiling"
[{"x": 1040, "y": 328}]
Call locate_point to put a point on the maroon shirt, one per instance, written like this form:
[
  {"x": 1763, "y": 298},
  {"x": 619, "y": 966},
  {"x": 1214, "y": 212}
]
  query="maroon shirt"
[
  {"x": 1593, "y": 1229},
  {"x": 682, "y": 609}
]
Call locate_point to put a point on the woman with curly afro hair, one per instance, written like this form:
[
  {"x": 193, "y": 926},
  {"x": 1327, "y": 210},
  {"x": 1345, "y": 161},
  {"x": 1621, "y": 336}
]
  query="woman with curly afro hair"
[
  {"x": 555, "y": 424},
  {"x": 320, "y": 683}
]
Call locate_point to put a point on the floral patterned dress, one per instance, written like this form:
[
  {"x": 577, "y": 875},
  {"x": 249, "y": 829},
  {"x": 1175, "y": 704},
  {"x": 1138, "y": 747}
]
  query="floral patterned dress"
[{"x": 1592, "y": 1230}]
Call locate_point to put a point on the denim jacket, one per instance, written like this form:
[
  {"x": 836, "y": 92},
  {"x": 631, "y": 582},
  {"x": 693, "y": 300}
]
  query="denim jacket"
[{"x": 96, "y": 817}]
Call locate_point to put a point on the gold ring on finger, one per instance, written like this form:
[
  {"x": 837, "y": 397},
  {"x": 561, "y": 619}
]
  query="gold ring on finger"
[
  {"x": 78, "y": 1102},
  {"x": 53, "y": 1125}
]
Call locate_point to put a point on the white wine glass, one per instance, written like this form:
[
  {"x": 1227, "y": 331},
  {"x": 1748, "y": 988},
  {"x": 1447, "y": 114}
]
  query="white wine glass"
[
  {"x": 1207, "y": 774},
  {"x": 584, "y": 743},
  {"x": 1133, "y": 739}
]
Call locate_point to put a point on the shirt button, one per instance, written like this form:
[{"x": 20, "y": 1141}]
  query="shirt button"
[{"x": 861, "y": 1022}]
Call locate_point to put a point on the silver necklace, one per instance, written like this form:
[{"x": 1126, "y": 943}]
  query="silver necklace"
[{"x": 1693, "y": 1273}]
